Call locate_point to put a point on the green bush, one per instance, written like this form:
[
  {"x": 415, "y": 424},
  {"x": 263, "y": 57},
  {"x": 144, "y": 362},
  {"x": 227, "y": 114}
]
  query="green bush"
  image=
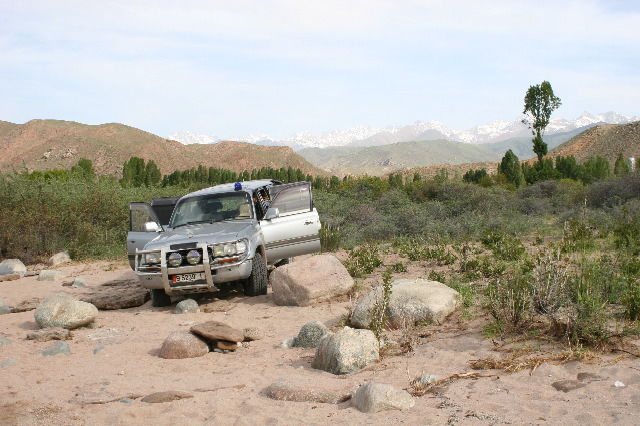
[
  {"x": 509, "y": 300},
  {"x": 330, "y": 238},
  {"x": 363, "y": 260}
]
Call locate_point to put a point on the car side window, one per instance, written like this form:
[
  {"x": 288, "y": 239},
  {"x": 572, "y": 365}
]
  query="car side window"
[{"x": 293, "y": 200}]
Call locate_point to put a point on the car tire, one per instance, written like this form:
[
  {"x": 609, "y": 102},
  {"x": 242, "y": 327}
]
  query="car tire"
[
  {"x": 256, "y": 284},
  {"x": 159, "y": 298}
]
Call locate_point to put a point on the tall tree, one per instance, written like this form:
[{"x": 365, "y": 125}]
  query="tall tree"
[
  {"x": 621, "y": 167},
  {"x": 539, "y": 103},
  {"x": 510, "y": 167}
]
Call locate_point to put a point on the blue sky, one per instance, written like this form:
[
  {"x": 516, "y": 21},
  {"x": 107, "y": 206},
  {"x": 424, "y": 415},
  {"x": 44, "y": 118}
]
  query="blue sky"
[{"x": 233, "y": 68}]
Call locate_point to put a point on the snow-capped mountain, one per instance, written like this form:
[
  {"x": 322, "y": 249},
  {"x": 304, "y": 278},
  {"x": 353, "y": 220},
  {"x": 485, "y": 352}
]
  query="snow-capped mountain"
[{"x": 420, "y": 130}]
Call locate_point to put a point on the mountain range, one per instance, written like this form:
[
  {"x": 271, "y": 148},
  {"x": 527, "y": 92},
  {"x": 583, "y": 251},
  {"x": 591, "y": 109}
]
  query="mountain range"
[{"x": 496, "y": 131}]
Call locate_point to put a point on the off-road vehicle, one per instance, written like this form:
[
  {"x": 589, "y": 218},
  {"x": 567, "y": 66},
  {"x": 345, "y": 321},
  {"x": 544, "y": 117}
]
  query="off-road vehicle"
[{"x": 223, "y": 234}]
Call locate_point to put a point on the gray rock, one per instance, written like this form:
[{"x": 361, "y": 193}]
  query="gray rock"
[
  {"x": 308, "y": 390},
  {"x": 187, "y": 306},
  {"x": 166, "y": 396},
  {"x": 287, "y": 343},
  {"x": 51, "y": 275},
  {"x": 346, "y": 351},
  {"x": 125, "y": 295},
  {"x": 64, "y": 311},
  {"x": 79, "y": 283},
  {"x": 57, "y": 349},
  {"x": 310, "y": 335},
  {"x": 4, "y": 341},
  {"x": 59, "y": 258},
  {"x": 311, "y": 280},
  {"x": 8, "y": 362},
  {"x": 411, "y": 300},
  {"x": 12, "y": 266},
  {"x": 4, "y": 309},
  {"x": 568, "y": 385},
  {"x": 425, "y": 379},
  {"x": 182, "y": 344},
  {"x": 374, "y": 397},
  {"x": 46, "y": 334}
]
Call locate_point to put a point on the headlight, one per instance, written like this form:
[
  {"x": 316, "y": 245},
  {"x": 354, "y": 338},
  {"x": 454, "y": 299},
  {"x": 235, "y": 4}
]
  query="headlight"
[
  {"x": 241, "y": 247},
  {"x": 218, "y": 250},
  {"x": 229, "y": 249},
  {"x": 151, "y": 259},
  {"x": 175, "y": 259},
  {"x": 193, "y": 257}
]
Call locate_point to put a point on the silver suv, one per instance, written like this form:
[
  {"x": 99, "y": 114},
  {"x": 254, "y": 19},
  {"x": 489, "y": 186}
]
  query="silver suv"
[{"x": 226, "y": 233}]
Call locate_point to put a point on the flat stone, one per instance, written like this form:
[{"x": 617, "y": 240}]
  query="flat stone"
[
  {"x": 308, "y": 390},
  {"x": 214, "y": 330},
  {"x": 10, "y": 277},
  {"x": 166, "y": 396},
  {"x": 568, "y": 385},
  {"x": 51, "y": 275},
  {"x": 252, "y": 333},
  {"x": 27, "y": 305},
  {"x": 12, "y": 266},
  {"x": 57, "y": 349},
  {"x": 59, "y": 258},
  {"x": 590, "y": 377},
  {"x": 46, "y": 334},
  {"x": 182, "y": 344},
  {"x": 374, "y": 397},
  {"x": 310, "y": 335},
  {"x": 226, "y": 346},
  {"x": 187, "y": 306},
  {"x": 315, "y": 279},
  {"x": 127, "y": 295},
  {"x": 61, "y": 310}
]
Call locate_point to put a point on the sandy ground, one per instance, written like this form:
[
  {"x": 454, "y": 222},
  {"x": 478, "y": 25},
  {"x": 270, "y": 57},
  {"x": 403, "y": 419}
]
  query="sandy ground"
[{"x": 119, "y": 358}]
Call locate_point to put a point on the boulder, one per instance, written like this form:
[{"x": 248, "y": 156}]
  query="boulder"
[
  {"x": 166, "y": 396},
  {"x": 182, "y": 344},
  {"x": 187, "y": 306},
  {"x": 4, "y": 309},
  {"x": 214, "y": 330},
  {"x": 57, "y": 349},
  {"x": 374, "y": 397},
  {"x": 311, "y": 280},
  {"x": 46, "y": 334},
  {"x": 12, "y": 266},
  {"x": 252, "y": 333},
  {"x": 346, "y": 351},
  {"x": 125, "y": 295},
  {"x": 59, "y": 258},
  {"x": 411, "y": 300},
  {"x": 61, "y": 310},
  {"x": 50, "y": 275},
  {"x": 310, "y": 335},
  {"x": 308, "y": 390}
]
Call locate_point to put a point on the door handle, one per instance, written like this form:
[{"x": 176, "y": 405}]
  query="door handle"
[{"x": 308, "y": 222}]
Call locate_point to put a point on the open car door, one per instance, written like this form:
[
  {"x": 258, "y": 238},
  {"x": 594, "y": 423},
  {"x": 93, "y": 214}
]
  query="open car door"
[
  {"x": 291, "y": 225},
  {"x": 144, "y": 226}
]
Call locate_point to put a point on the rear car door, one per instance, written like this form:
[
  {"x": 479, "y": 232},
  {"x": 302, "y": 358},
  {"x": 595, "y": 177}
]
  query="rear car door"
[
  {"x": 295, "y": 230},
  {"x": 144, "y": 226}
]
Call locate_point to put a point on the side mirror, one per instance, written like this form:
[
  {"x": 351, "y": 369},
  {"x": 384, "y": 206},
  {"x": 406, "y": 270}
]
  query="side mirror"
[
  {"x": 272, "y": 213},
  {"x": 151, "y": 227}
]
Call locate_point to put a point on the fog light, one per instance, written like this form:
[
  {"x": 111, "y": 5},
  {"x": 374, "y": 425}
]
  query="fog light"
[
  {"x": 175, "y": 259},
  {"x": 193, "y": 257}
]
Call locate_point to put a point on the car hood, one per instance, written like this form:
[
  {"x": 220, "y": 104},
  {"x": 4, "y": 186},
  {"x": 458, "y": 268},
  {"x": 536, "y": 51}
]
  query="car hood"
[{"x": 201, "y": 233}]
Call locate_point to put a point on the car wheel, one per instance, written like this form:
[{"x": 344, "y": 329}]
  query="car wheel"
[
  {"x": 159, "y": 298},
  {"x": 256, "y": 284}
]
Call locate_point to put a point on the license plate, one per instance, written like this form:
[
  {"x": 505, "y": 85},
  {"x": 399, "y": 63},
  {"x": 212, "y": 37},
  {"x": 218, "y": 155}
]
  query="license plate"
[{"x": 186, "y": 278}]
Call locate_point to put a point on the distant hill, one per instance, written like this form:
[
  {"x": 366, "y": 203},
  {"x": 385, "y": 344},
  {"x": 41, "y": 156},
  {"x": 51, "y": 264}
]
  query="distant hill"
[
  {"x": 605, "y": 140},
  {"x": 522, "y": 146},
  {"x": 381, "y": 159},
  {"x": 50, "y": 144},
  {"x": 452, "y": 169}
]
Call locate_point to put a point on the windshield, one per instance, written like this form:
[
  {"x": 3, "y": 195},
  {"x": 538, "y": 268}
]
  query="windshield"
[{"x": 212, "y": 208}]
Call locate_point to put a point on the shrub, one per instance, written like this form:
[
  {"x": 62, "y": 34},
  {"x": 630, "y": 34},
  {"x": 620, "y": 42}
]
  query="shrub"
[
  {"x": 363, "y": 260},
  {"x": 330, "y": 238},
  {"x": 509, "y": 300},
  {"x": 379, "y": 314}
]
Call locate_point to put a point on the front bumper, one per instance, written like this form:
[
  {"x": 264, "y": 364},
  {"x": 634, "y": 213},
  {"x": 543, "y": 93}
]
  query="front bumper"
[{"x": 214, "y": 273}]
